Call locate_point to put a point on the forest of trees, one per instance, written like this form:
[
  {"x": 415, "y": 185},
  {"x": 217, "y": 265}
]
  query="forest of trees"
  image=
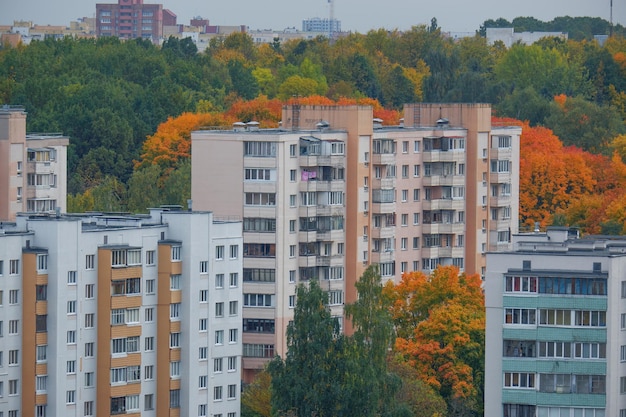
[{"x": 128, "y": 107}]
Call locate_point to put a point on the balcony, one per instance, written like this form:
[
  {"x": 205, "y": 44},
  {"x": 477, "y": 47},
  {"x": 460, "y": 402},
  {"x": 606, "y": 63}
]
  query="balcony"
[
  {"x": 500, "y": 177},
  {"x": 385, "y": 183},
  {"x": 500, "y": 153},
  {"x": 335, "y": 161},
  {"x": 443, "y": 156},
  {"x": 500, "y": 201},
  {"x": 334, "y": 210},
  {"x": 443, "y": 180},
  {"x": 443, "y": 228},
  {"x": 383, "y": 232},
  {"x": 383, "y": 158},
  {"x": 384, "y": 208},
  {"x": 443, "y": 204},
  {"x": 383, "y": 256}
]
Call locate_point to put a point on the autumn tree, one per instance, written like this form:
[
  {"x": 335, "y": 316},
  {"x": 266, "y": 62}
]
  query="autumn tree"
[
  {"x": 256, "y": 397},
  {"x": 440, "y": 321}
]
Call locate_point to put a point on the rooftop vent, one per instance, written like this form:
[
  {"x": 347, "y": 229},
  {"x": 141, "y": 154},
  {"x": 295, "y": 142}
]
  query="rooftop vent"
[
  {"x": 378, "y": 123},
  {"x": 442, "y": 122},
  {"x": 253, "y": 126},
  {"x": 239, "y": 126},
  {"x": 322, "y": 124},
  {"x": 402, "y": 122}
]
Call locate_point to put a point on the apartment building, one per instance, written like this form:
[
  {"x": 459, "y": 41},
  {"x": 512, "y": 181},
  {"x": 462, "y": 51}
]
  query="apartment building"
[
  {"x": 131, "y": 19},
  {"x": 33, "y": 167},
  {"x": 108, "y": 315},
  {"x": 333, "y": 191},
  {"x": 555, "y": 340}
]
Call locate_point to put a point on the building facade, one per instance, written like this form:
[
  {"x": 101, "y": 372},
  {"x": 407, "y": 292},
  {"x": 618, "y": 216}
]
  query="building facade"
[
  {"x": 33, "y": 167},
  {"x": 333, "y": 191},
  {"x": 555, "y": 341},
  {"x": 321, "y": 25},
  {"x": 131, "y": 19},
  {"x": 107, "y": 315}
]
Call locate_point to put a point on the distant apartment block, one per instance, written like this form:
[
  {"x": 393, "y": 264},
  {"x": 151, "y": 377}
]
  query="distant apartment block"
[
  {"x": 509, "y": 37},
  {"x": 131, "y": 19},
  {"x": 334, "y": 191},
  {"x": 33, "y": 167},
  {"x": 321, "y": 25},
  {"x": 556, "y": 321},
  {"x": 105, "y": 315}
]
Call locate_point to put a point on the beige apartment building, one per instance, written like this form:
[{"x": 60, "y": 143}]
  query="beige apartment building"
[
  {"x": 33, "y": 167},
  {"x": 333, "y": 190}
]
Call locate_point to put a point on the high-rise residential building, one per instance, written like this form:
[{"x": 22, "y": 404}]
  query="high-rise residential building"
[
  {"x": 131, "y": 19},
  {"x": 106, "y": 315},
  {"x": 325, "y": 25},
  {"x": 333, "y": 191},
  {"x": 33, "y": 167},
  {"x": 556, "y": 321}
]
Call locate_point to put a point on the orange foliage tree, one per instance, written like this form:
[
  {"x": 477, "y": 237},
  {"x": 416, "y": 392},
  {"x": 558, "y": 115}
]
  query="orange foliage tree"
[{"x": 440, "y": 324}]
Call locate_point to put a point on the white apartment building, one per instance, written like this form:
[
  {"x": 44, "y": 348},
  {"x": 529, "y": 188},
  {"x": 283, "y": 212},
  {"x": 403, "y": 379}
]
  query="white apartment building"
[
  {"x": 556, "y": 321},
  {"x": 108, "y": 315},
  {"x": 333, "y": 191}
]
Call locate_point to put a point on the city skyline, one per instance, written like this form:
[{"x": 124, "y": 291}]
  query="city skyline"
[{"x": 355, "y": 15}]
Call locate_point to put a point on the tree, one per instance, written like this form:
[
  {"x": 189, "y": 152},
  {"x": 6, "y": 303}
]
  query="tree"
[
  {"x": 256, "y": 397},
  {"x": 440, "y": 320},
  {"x": 144, "y": 189},
  {"x": 328, "y": 374},
  {"x": 307, "y": 382}
]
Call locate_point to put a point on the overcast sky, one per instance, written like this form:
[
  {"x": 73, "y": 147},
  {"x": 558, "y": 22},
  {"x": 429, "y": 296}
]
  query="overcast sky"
[{"x": 355, "y": 15}]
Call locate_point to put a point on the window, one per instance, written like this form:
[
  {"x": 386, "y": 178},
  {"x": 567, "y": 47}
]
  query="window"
[
  {"x": 292, "y": 301},
  {"x": 14, "y": 357},
  {"x": 217, "y": 393},
  {"x": 174, "y": 398},
  {"x": 203, "y": 353},
  {"x": 202, "y": 381},
  {"x": 89, "y": 379},
  {"x": 258, "y": 300},
  {"x": 70, "y": 397},
  {"x": 202, "y": 410},
  {"x": 555, "y": 317},
  {"x": 175, "y": 311},
  {"x": 42, "y": 353},
  {"x": 232, "y": 391},
  {"x": 90, "y": 261},
  {"x": 590, "y": 350},
  {"x": 125, "y": 345},
  {"x": 204, "y": 296},
  {"x": 259, "y": 275},
  {"x": 89, "y": 350},
  {"x": 232, "y": 335},
  {"x": 292, "y": 276},
  {"x": 70, "y": 367},
  {"x": 521, "y": 284},
  {"x": 292, "y": 200},
  {"x": 234, "y": 251},
  {"x": 292, "y": 251},
  {"x": 219, "y": 252},
  {"x": 405, "y": 195},
  {"x": 520, "y": 316},
  {"x": 88, "y": 408},
  {"x": 202, "y": 325},
  {"x": 519, "y": 380},
  {"x": 259, "y": 174},
  {"x": 174, "y": 340},
  {"x": 405, "y": 171},
  {"x": 175, "y": 369},
  {"x": 219, "y": 281},
  {"x": 89, "y": 291},
  {"x": 149, "y": 286},
  {"x": 260, "y": 199},
  {"x": 149, "y": 314},
  {"x": 89, "y": 320},
  {"x": 233, "y": 308},
  {"x": 14, "y": 266},
  {"x": 71, "y": 307},
  {"x": 232, "y": 363},
  {"x": 13, "y": 387},
  {"x": 293, "y": 150},
  {"x": 175, "y": 255},
  {"x": 217, "y": 364},
  {"x": 148, "y": 343},
  {"x": 258, "y": 350},
  {"x": 204, "y": 267},
  {"x": 219, "y": 309},
  {"x": 150, "y": 257},
  {"x": 42, "y": 262},
  {"x": 175, "y": 282},
  {"x": 148, "y": 402},
  {"x": 14, "y": 296},
  {"x": 260, "y": 149},
  {"x": 14, "y": 327},
  {"x": 219, "y": 337},
  {"x": 403, "y": 243},
  {"x": 148, "y": 372},
  {"x": 335, "y": 297}
]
